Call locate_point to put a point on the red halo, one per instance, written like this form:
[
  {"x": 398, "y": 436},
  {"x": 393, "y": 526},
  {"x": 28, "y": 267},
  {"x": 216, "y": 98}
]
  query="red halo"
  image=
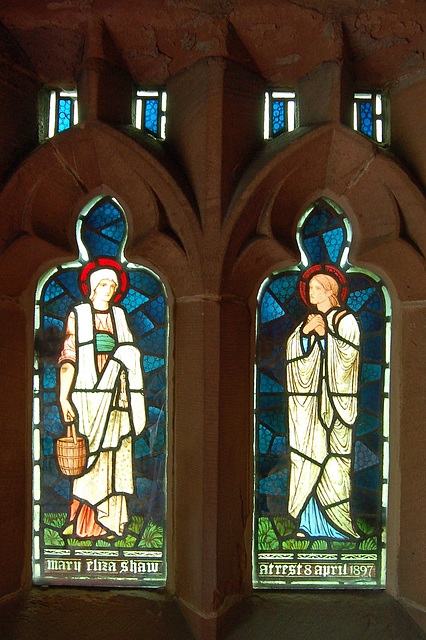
[
  {"x": 104, "y": 263},
  {"x": 327, "y": 269}
]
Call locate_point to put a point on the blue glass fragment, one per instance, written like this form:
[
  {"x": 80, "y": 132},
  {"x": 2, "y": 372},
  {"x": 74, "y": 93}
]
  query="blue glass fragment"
[
  {"x": 366, "y": 117},
  {"x": 364, "y": 457},
  {"x": 265, "y": 437},
  {"x": 133, "y": 300},
  {"x": 269, "y": 386},
  {"x": 333, "y": 241},
  {"x": 275, "y": 484},
  {"x": 151, "y": 115},
  {"x": 270, "y": 309},
  {"x": 278, "y": 116},
  {"x": 64, "y": 114}
]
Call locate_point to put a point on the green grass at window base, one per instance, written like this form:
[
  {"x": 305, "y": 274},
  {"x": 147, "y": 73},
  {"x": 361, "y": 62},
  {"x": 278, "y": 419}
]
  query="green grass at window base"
[
  {"x": 370, "y": 544},
  {"x": 152, "y": 537},
  {"x": 103, "y": 543},
  {"x": 342, "y": 545},
  {"x": 53, "y": 539},
  {"x": 136, "y": 524},
  {"x": 56, "y": 520},
  {"x": 74, "y": 542},
  {"x": 128, "y": 542}
]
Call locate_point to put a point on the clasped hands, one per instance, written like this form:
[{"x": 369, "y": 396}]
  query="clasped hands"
[{"x": 314, "y": 324}]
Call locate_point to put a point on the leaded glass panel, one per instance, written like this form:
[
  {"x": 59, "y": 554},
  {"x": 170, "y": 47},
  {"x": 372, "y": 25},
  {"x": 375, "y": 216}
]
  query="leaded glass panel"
[
  {"x": 100, "y": 414},
  {"x": 150, "y": 113},
  {"x": 368, "y": 115},
  {"x": 280, "y": 113},
  {"x": 321, "y": 398}
]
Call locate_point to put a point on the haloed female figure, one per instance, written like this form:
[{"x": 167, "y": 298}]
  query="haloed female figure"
[
  {"x": 101, "y": 389},
  {"x": 322, "y": 381}
]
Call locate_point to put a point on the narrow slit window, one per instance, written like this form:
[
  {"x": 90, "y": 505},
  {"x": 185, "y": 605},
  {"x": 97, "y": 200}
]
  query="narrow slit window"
[
  {"x": 150, "y": 112},
  {"x": 368, "y": 115},
  {"x": 280, "y": 113},
  {"x": 62, "y": 111},
  {"x": 100, "y": 414},
  {"x": 321, "y": 415}
]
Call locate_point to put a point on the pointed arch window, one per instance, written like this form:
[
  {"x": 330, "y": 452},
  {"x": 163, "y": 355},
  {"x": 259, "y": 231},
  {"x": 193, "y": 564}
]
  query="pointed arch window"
[
  {"x": 321, "y": 415},
  {"x": 100, "y": 413}
]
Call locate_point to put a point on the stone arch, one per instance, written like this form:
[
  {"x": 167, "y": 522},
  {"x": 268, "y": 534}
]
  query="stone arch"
[
  {"x": 387, "y": 212},
  {"x": 40, "y": 205},
  {"x": 52, "y": 185}
]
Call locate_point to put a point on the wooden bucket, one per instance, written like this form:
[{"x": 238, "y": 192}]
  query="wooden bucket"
[{"x": 71, "y": 453}]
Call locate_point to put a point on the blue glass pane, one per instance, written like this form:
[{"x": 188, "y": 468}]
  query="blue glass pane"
[
  {"x": 367, "y": 423},
  {"x": 151, "y": 115},
  {"x": 142, "y": 448},
  {"x": 273, "y": 419},
  {"x": 368, "y": 479},
  {"x": 319, "y": 221},
  {"x": 153, "y": 342},
  {"x": 140, "y": 323},
  {"x": 50, "y": 470},
  {"x": 316, "y": 249},
  {"x": 155, "y": 414},
  {"x": 375, "y": 303},
  {"x": 53, "y": 290},
  {"x": 283, "y": 287},
  {"x": 47, "y": 445},
  {"x": 115, "y": 231},
  {"x": 373, "y": 348},
  {"x": 278, "y": 116},
  {"x": 59, "y": 306},
  {"x": 49, "y": 377},
  {"x": 133, "y": 300},
  {"x": 156, "y": 437},
  {"x": 370, "y": 372},
  {"x": 49, "y": 396},
  {"x": 265, "y": 437},
  {"x": 64, "y": 114},
  {"x": 144, "y": 488},
  {"x": 333, "y": 241},
  {"x": 364, "y": 458},
  {"x": 152, "y": 362},
  {"x": 156, "y": 310},
  {"x": 103, "y": 215},
  {"x": 51, "y": 419},
  {"x": 63, "y": 488},
  {"x": 269, "y": 386},
  {"x": 278, "y": 447},
  {"x": 145, "y": 283},
  {"x": 269, "y": 401},
  {"x": 370, "y": 398},
  {"x": 98, "y": 245},
  {"x": 70, "y": 280},
  {"x": 275, "y": 484},
  {"x": 358, "y": 298},
  {"x": 366, "y": 503},
  {"x": 370, "y": 322},
  {"x": 366, "y": 118},
  {"x": 270, "y": 308},
  {"x": 52, "y": 323}
]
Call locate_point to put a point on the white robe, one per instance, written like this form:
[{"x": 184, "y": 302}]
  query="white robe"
[
  {"x": 322, "y": 382},
  {"x": 108, "y": 429}
]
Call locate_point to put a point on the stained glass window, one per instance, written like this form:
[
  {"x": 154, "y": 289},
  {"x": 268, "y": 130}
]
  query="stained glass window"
[
  {"x": 151, "y": 112},
  {"x": 280, "y": 113},
  {"x": 62, "y": 111},
  {"x": 368, "y": 115},
  {"x": 321, "y": 416},
  {"x": 100, "y": 414}
]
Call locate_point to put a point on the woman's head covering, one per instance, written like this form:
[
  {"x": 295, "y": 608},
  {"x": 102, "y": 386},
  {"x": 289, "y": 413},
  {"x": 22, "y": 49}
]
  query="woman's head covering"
[{"x": 101, "y": 274}]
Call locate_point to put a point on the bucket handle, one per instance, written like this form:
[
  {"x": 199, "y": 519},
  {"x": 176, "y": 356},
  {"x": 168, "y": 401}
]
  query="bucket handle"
[{"x": 71, "y": 432}]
